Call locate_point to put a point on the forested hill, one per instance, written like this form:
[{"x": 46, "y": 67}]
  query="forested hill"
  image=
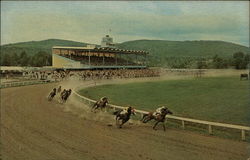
[
  {"x": 34, "y": 47},
  {"x": 159, "y": 48},
  {"x": 177, "y": 54},
  {"x": 163, "y": 48}
]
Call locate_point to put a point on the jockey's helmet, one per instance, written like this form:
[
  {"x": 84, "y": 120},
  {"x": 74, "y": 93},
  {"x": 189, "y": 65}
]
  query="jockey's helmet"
[
  {"x": 103, "y": 98},
  {"x": 164, "y": 107}
]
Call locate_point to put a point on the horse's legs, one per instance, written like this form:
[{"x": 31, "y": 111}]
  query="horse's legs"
[
  {"x": 164, "y": 127},
  {"x": 93, "y": 107},
  {"x": 143, "y": 117},
  {"x": 155, "y": 125},
  {"x": 147, "y": 119},
  {"x": 122, "y": 123},
  {"x": 117, "y": 120}
]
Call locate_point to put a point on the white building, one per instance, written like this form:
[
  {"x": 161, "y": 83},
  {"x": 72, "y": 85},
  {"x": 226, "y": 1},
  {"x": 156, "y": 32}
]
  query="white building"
[{"x": 107, "y": 41}]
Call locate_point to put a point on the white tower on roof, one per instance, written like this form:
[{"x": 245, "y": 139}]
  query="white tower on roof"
[{"x": 107, "y": 41}]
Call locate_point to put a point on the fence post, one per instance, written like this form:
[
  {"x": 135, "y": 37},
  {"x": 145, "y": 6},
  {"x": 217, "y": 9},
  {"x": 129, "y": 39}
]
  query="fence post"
[
  {"x": 209, "y": 129},
  {"x": 141, "y": 115},
  {"x": 183, "y": 124},
  {"x": 243, "y": 135}
]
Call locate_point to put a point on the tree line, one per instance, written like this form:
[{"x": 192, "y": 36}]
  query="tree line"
[
  {"x": 40, "y": 59},
  {"x": 238, "y": 60}
]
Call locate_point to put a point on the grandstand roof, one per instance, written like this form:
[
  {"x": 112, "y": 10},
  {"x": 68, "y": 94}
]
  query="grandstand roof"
[{"x": 103, "y": 49}]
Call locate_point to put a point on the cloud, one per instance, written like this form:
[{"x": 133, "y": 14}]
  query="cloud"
[{"x": 89, "y": 21}]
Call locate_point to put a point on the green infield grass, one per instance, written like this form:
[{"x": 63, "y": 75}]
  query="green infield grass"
[{"x": 220, "y": 99}]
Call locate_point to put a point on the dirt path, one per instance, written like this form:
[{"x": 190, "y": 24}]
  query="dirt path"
[{"x": 34, "y": 129}]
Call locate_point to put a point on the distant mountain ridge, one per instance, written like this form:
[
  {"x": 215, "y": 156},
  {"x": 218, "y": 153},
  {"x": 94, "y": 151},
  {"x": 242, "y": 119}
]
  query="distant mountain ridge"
[
  {"x": 159, "y": 48},
  {"x": 161, "y": 52},
  {"x": 164, "y": 48},
  {"x": 32, "y": 47}
]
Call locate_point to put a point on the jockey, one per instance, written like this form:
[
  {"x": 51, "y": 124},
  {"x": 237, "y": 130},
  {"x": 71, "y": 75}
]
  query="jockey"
[
  {"x": 63, "y": 92},
  {"x": 125, "y": 110},
  {"x": 53, "y": 93},
  {"x": 69, "y": 92},
  {"x": 102, "y": 100},
  {"x": 160, "y": 110}
]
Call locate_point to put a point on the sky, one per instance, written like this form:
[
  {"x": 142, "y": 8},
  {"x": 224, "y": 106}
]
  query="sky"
[{"x": 89, "y": 21}]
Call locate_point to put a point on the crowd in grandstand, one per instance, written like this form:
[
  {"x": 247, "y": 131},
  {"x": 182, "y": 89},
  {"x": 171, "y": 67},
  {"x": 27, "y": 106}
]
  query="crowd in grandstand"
[
  {"x": 59, "y": 75},
  {"x": 45, "y": 75},
  {"x": 90, "y": 74},
  {"x": 115, "y": 74}
]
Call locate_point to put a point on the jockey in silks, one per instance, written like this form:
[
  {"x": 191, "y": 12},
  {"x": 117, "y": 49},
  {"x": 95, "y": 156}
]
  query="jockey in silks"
[
  {"x": 63, "y": 92},
  {"x": 102, "y": 100},
  {"x": 125, "y": 110},
  {"x": 68, "y": 93},
  {"x": 159, "y": 110}
]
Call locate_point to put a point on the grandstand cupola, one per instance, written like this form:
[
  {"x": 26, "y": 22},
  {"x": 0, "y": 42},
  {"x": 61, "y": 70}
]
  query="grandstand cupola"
[{"x": 107, "y": 41}]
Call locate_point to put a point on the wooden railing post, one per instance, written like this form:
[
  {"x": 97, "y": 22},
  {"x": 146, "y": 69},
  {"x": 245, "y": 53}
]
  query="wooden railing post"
[
  {"x": 141, "y": 115},
  {"x": 243, "y": 135},
  {"x": 209, "y": 129},
  {"x": 183, "y": 124}
]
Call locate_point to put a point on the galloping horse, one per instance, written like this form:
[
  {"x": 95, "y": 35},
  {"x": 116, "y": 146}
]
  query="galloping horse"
[
  {"x": 124, "y": 117},
  {"x": 65, "y": 95},
  {"x": 52, "y": 94},
  {"x": 100, "y": 104},
  {"x": 158, "y": 118}
]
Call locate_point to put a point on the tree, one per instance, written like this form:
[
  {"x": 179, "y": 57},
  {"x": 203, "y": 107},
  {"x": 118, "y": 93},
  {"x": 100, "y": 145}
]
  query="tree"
[
  {"x": 41, "y": 59},
  {"x": 6, "y": 60},
  {"x": 201, "y": 64},
  {"x": 240, "y": 60},
  {"x": 219, "y": 62},
  {"x": 24, "y": 59}
]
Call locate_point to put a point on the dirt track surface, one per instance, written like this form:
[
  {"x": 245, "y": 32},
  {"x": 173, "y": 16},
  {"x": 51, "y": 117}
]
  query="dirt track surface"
[{"x": 34, "y": 129}]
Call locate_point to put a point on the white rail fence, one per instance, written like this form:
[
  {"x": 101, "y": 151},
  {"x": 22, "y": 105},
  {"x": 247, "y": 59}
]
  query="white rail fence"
[
  {"x": 23, "y": 83},
  {"x": 183, "y": 120}
]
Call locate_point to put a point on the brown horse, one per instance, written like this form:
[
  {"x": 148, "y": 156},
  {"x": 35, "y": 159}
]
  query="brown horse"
[
  {"x": 158, "y": 118},
  {"x": 100, "y": 104},
  {"x": 123, "y": 117}
]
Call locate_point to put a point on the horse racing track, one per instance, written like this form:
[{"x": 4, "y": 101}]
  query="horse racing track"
[{"x": 33, "y": 128}]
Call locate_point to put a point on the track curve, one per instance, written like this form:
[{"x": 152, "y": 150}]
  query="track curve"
[{"x": 34, "y": 129}]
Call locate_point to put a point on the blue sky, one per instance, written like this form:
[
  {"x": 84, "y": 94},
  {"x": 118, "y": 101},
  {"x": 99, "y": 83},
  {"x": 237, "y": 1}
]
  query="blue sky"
[{"x": 89, "y": 21}]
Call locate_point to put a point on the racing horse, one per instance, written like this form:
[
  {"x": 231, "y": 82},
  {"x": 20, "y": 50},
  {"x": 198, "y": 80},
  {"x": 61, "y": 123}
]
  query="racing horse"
[
  {"x": 65, "y": 95},
  {"x": 52, "y": 94},
  {"x": 124, "y": 117},
  {"x": 158, "y": 118},
  {"x": 102, "y": 103}
]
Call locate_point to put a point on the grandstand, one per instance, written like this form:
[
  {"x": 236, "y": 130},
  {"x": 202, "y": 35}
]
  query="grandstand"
[{"x": 93, "y": 57}]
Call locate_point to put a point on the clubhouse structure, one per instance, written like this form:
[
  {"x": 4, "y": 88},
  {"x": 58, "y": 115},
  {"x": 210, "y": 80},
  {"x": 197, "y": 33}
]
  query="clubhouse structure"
[{"x": 106, "y": 56}]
